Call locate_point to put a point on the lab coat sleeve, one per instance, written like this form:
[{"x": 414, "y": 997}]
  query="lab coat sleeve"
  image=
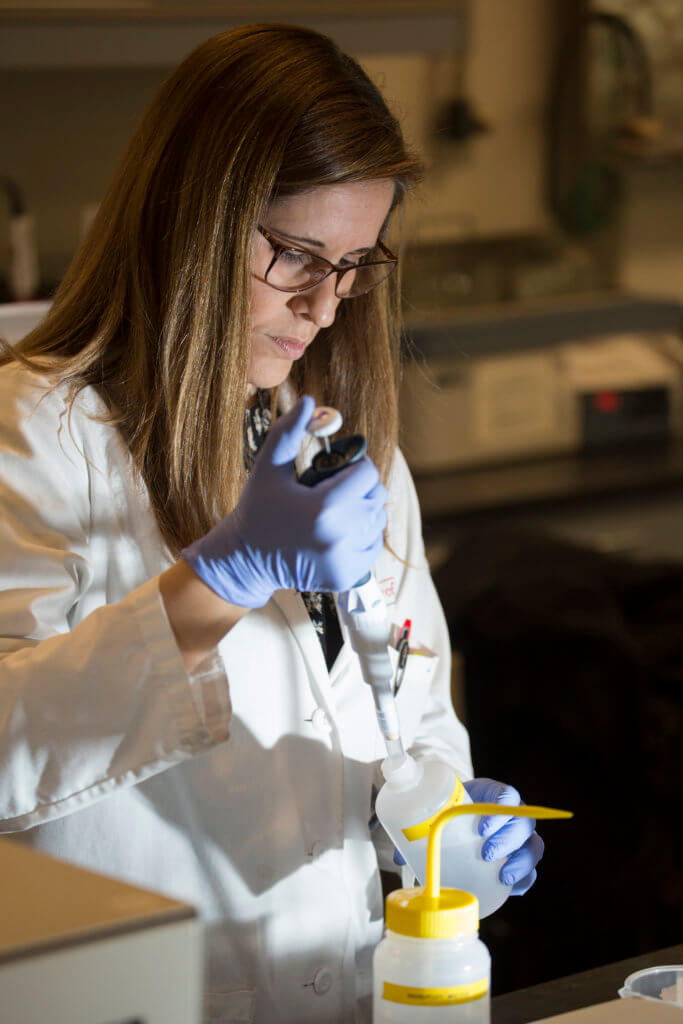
[{"x": 85, "y": 706}]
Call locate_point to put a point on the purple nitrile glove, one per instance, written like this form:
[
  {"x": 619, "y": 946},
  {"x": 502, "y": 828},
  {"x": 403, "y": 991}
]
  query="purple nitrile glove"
[
  {"x": 513, "y": 838},
  {"x": 284, "y": 535}
]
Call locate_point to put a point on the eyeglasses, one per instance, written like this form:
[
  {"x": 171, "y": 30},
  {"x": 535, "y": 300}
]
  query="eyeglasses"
[{"x": 297, "y": 270}]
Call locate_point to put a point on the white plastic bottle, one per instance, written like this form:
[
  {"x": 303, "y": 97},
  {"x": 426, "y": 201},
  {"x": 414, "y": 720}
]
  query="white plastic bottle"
[
  {"x": 431, "y": 967},
  {"x": 414, "y": 793}
]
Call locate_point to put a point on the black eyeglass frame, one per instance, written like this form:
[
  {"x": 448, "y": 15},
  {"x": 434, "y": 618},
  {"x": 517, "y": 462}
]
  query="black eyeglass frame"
[{"x": 279, "y": 247}]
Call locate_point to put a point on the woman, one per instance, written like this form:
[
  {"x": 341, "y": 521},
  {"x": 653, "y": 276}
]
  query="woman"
[{"x": 179, "y": 706}]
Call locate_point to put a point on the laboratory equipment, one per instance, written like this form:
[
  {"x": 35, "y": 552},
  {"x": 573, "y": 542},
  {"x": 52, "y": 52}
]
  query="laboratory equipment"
[
  {"x": 478, "y": 408},
  {"x": 431, "y": 966},
  {"x": 414, "y": 793},
  {"x": 24, "y": 276},
  {"x": 663, "y": 984},
  {"x": 363, "y": 612},
  {"x": 361, "y": 608},
  {"x": 76, "y": 946},
  {"x": 281, "y": 536}
]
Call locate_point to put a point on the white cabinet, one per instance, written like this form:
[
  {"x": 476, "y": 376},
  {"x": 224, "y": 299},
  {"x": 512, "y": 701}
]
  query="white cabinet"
[{"x": 79, "y": 946}]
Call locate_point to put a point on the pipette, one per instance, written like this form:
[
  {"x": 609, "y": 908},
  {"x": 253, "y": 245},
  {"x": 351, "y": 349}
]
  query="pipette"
[
  {"x": 362, "y": 608},
  {"x": 326, "y": 421}
]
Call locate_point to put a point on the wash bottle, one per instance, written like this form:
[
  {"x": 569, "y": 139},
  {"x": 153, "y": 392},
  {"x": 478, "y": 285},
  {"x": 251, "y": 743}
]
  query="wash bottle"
[
  {"x": 431, "y": 966},
  {"x": 414, "y": 794}
]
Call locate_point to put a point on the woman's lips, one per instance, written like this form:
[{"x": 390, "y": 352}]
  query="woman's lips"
[{"x": 292, "y": 347}]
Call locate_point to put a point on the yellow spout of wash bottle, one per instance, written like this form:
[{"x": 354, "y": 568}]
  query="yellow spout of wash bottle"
[
  {"x": 431, "y": 956},
  {"x": 433, "y": 874}
]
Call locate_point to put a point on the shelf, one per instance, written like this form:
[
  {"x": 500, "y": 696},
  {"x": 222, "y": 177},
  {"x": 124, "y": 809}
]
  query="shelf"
[
  {"x": 144, "y": 35},
  {"x": 539, "y": 323},
  {"x": 487, "y": 492}
]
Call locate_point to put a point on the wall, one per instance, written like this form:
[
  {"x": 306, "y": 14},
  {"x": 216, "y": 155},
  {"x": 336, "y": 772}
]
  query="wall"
[
  {"x": 495, "y": 185},
  {"x": 652, "y": 230},
  {"x": 653, "y": 218},
  {"x": 62, "y": 132}
]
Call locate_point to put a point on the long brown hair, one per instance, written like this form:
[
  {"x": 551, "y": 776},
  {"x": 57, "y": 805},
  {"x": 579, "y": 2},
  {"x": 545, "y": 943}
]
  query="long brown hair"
[{"x": 154, "y": 311}]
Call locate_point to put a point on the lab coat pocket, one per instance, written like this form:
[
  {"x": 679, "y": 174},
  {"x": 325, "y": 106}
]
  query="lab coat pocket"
[
  {"x": 230, "y": 1007},
  {"x": 413, "y": 691}
]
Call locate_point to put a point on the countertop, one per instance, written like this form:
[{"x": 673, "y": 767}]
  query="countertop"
[
  {"x": 575, "y": 991},
  {"x": 544, "y": 482}
]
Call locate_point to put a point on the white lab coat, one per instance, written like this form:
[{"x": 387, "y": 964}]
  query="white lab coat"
[{"x": 245, "y": 789}]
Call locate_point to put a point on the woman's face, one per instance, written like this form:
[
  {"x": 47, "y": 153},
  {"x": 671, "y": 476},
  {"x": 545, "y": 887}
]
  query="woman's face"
[{"x": 339, "y": 222}]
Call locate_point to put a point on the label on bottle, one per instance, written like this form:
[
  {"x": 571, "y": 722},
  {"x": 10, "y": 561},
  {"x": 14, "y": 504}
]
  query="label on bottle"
[
  {"x": 413, "y": 995},
  {"x": 421, "y": 831}
]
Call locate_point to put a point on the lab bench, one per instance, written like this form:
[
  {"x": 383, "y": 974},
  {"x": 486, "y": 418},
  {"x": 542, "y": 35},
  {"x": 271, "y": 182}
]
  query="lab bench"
[
  {"x": 575, "y": 991},
  {"x": 628, "y": 501}
]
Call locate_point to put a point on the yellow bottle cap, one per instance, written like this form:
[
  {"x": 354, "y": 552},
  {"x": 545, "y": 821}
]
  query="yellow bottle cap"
[
  {"x": 412, "y": 912},
  {"x": 430, "y": 912}
]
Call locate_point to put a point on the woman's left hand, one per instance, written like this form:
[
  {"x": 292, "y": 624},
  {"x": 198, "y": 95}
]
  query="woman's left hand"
[{"x": 513, "y": 838}]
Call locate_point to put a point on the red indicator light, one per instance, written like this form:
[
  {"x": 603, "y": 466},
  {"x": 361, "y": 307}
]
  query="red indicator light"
[{"x": 607, "y": 401}]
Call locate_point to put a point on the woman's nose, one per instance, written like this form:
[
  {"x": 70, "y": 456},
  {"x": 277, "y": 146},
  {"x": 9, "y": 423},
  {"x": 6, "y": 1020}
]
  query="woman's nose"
[{"x": 318, "y": 304}]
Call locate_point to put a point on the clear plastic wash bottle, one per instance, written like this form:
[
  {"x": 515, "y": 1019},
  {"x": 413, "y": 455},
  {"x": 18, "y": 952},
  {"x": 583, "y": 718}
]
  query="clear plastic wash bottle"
[
  {"x": 431, "y": 967},
  {"x": 414, "y": 793}
]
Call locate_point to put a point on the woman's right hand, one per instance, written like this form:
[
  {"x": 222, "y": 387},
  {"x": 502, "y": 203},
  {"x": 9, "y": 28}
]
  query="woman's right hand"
[{"x": 284, "y": 535}]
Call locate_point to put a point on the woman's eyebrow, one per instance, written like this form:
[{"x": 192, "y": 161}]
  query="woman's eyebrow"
[{"x": 313, "y": 241}]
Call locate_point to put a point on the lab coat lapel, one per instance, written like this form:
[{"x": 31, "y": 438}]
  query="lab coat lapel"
[
  {"x": 342, "y": 660},
  {"x": 293, "y": 608}
]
